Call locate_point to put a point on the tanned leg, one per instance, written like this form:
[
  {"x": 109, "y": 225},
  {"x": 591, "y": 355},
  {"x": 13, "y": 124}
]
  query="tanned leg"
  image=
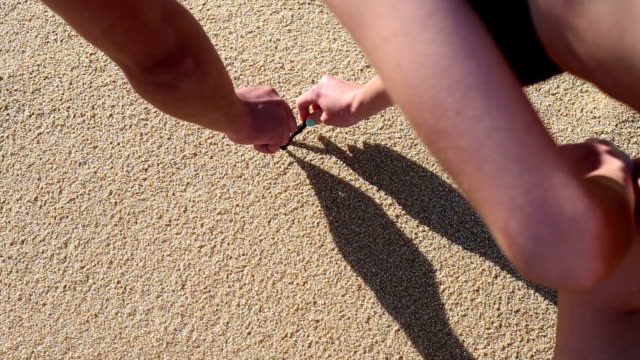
[
  {"x": 602, "y": 322},
  {"x": 595, "y": 40}
]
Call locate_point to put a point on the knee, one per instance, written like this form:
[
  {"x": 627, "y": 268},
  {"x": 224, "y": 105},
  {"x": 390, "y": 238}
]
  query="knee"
[
  {"x": 595, "y": 40},
  {"x": 558, "y": 26},
  {"x": 578, "y": 34}
]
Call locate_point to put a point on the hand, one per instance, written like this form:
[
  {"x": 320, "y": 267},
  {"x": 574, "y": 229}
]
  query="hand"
[
  {"x": 332, "y": 101},
  {"x": 268, "y": 120},
  {"x": 601, "y": 159}
]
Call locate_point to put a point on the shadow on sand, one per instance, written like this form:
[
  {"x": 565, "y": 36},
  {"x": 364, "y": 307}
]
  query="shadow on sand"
[{"x": 391, "y": 265}]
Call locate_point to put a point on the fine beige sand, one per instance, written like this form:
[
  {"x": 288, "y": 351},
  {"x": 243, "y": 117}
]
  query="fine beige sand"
[{"x": 126, "y": 234}]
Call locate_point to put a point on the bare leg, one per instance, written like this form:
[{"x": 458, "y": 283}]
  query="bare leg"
[
  {"x": 595, "y": 40},
  {"x": 602, "y": 322}
]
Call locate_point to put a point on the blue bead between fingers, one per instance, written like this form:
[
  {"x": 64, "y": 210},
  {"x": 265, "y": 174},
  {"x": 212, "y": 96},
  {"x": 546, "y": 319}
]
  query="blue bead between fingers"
[{"x": 311, "y": 122}]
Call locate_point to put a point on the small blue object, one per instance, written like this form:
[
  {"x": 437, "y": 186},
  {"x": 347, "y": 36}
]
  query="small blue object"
[{"x": 311, "y": 122}]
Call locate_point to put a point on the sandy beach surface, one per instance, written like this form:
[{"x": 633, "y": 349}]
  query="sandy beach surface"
[{"x": 126, "y": 234}]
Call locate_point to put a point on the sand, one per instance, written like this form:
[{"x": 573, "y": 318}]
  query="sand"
[{"x": 126, "y": 234}]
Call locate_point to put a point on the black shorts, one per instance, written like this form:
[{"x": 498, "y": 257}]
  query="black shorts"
[{"x": 511, "y": 25}]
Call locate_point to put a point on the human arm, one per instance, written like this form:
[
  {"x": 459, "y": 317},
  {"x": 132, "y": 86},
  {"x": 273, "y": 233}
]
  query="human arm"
[
  {"x": 337, "y": 102},
  {"x": 169, "y": 60},
  {"x": 440, "y": 65}
]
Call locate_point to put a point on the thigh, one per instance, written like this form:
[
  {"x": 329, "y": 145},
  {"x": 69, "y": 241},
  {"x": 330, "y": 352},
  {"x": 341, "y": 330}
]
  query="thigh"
[
  {"x": 511, "y": 26},
  {"x": 596, "y": 40}
]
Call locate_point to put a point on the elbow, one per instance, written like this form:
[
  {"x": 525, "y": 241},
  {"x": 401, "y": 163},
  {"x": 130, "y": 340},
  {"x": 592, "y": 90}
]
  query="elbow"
[
  {"x": 166, "y": 72},
  {"x": 163, "y": 56}
]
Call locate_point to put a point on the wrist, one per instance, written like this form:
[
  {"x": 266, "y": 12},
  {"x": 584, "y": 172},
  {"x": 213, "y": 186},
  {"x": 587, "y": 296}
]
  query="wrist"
[
  {"x": 359, "y": 104},
  {"x": 366, "y": 103},
  {"x": 238, "y": 125}
]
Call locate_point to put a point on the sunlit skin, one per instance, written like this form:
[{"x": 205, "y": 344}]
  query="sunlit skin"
[
  {"x": 465, "y": 104},
  {"x": 169, "y": 60}
]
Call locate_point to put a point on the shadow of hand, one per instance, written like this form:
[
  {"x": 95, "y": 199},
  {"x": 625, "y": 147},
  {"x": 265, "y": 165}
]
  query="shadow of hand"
[
  {"x": 427, "y": 198},
  {"x": 388, "y": 262}
]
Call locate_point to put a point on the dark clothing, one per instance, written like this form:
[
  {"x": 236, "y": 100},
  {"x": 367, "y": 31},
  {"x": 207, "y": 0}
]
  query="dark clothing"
[{"x": 511, "y": 25}]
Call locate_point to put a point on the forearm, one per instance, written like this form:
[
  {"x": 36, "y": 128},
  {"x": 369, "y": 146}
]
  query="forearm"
[
  {"x": 190, "y": 82},
  {"x": 165, "y": 54},
  {"x": 371, "y": 99},
  {"x": 441, "y": 66}
]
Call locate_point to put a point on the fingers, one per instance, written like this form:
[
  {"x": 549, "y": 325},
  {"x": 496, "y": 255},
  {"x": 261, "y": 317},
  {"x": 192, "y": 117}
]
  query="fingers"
[
  {"x": 306, "y": 100},
  {"x": 289, "y": 127},
  {"x": 266, "y": 148},
  {"x": 582, "y": 157},
  {"x": 284, "y": 140},
  {"x": 312, "y": 98},
  {"x": 616, "y": 165},
  {"x": 291, "y": 120},
  {"x": 272, "y": 119},
  {"x": 318, "y": 116}
]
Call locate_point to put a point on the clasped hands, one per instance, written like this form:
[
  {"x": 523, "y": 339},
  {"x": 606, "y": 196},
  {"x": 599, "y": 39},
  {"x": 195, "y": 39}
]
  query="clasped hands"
[{"x": 269, "y": 120}]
